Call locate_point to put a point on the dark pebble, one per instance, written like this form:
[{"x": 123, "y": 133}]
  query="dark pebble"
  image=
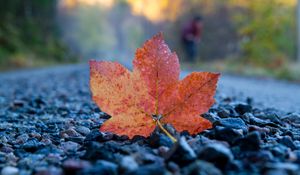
[
  {"x": 224, "y": 114},
  {"x": 260, "y": 122},
  {"x": 72, "y": 166},
  {"x": 32, "y": 145},
  {"x": 257, "y": 157},
  {"x": 47, "y": 171},
  {"x": 79, "y": 140},
  {"x": 159, "y": 139},
  {"x": 216, "y": 153},
  {"x": 250, "y": 142},
  {"x": 181, "y": 153},
  {"x": 173, "y": 168},
  {"x": 243, "y": 108},
  {"x": 287, "y": 141},
  {"x": 288, "y": 168},
  {"x": 293, "y": 118},
  {"x": 201, "y": 167},
  {"x": 96, "y": 135},
  {"x": 149, "y": 170},
  {"x": 235, "y": 123},
  {"x": 101, "y": 167},
  {"x": 229, "y": 135},
  {"x": 69, "y": 147},
  {"x": 95, "y": 150},
  {"x": 83, "y": 130}
]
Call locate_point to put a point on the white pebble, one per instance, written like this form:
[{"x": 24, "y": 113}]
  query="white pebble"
[{"x": 9, "y": 170}]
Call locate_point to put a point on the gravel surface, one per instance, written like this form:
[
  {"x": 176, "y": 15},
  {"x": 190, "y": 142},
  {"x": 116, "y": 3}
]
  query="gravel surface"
[
  {"x": 49, "y": 125},
  {"x": 267, "y": 93}
]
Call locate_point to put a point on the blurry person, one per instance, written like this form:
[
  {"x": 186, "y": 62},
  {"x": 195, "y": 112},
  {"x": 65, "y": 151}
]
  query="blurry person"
[{"x": 191, "y": 36}]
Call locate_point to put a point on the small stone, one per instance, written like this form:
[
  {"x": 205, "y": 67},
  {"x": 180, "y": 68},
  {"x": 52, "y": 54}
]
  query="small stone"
[
  {"x": 258, "y": 157},
  {"x": 96, "y": 135},
  {"x": 216, "y": 153},
  {"x": 272, "y": 117},
  {"x": 250, "y": 142},
  {"x": 128, "y": 163},
  {"x": 3, "y": 139},
  {"x": 32, "y": 161},
  {"x": 288, "y": 133},
  {"x": 260, "y": 122},
  {"x": 228, "y": 134},
  {"x": 243, "y": 108},
  {"x": 287, "y": 141},
  {"x": 261, "y": 130},
  {"x": 35, "y": 135},
  {"x": 72, "y": 166},
  {"x": 201, "y": 167},
  {"x": 104, "y": 115},
  {"x": 293, "y": 118},
  {"x": 290, "y": 168},
  {"x": 163, "y": 150},
  {"x": 6, "y": 149},
  {"x": 9, "y": 170},
  {"x": 235, "y": 123},
  {"x": 224, "y": 113},
  {"x": 69, "y": 133},
  {"x": 101, "y": 167},
  {"x": 11, "y": 158},
  {"x": 246, "y": 117},
  {"x": 22, "y": 138},
  {"x": 96, "y": 150},
  {"x": 83, "y": 130},
  {"x": 297, "y": 156},
  {"x": 46, "y": 141},
  {"x": 173, "y": 167},
  {"x": 143, "y": 157},
  {"x": 49, "y": 171},
  {"x": 3, "y": 126},
  {"x": 280, "y": 151},
  {"x": 139, "y": 140},
  {"x": 170, "y": 129},
  {"x": 32, "y": 145},
  {"x": 148, "y": 170},
  {"x": 79, "y": 140},
  {"x": 69, "y": 147},
  {"x": 181, "y": 153},
  {"x": 18, "y": 103},
  {"x": 157, "y": 139},
  {"x": 276, "y": 172},
  {"x": 211, "y": 117},
  {"x": 2, "y": 158}
]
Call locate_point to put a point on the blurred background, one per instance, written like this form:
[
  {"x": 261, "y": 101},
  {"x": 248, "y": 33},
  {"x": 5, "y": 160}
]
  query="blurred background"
[{"x": 257, "y": 38}]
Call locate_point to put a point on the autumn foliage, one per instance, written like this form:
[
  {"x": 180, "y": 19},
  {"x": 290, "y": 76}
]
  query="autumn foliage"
[{"x": 152, "y": 88}]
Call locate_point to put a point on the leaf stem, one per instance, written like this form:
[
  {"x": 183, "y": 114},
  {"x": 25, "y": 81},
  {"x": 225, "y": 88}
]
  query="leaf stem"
[{"x": 165, "y": 131}]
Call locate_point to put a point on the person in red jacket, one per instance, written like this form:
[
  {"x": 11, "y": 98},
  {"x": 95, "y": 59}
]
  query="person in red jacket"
[{"x": 191, "y": 36}]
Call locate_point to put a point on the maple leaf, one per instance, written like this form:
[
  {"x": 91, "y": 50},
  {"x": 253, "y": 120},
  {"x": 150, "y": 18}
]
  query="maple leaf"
[{"x": 152, "y": 89}]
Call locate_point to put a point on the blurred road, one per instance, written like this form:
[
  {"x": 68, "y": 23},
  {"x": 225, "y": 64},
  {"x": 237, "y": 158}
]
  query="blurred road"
[{"x": 267, "y": 93}]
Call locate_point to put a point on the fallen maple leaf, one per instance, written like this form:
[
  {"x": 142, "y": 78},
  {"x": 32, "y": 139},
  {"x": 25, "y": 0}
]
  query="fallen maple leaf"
[{"x": 152, "y": 89}]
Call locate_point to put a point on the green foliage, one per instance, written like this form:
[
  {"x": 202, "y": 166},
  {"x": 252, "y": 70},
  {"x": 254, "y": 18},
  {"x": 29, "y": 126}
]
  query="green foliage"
[
  {"x": 90, "y": 31},
  {"x": 29, "y": 35},
  {"x": 267, "y": 31}
]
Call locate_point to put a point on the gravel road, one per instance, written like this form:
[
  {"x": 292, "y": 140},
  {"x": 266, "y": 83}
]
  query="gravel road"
[
  {"x": 49, "y": 125},
  {"x": 266, "y": 93}
]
